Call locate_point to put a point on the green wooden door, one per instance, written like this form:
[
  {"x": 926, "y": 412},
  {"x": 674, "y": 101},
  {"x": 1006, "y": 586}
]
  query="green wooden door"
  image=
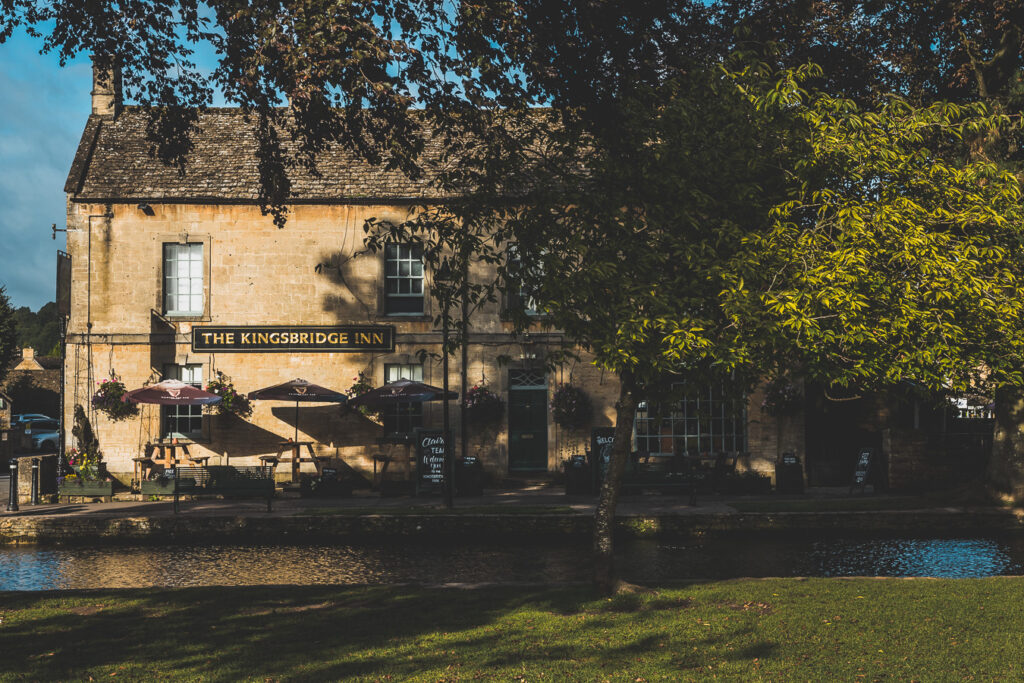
[{"x": 527, "y": 421}]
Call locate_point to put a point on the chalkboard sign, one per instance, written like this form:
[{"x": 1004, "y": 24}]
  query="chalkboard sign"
[
  {"x": 601, "y": 441},
  {"x": 862, "y": 470},
  {"x": 429, "y": 444},
  {"x": 789, "y": 458}
]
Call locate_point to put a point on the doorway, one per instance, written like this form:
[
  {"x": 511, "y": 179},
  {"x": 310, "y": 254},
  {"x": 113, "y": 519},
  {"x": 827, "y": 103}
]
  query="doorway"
[{"x": 527, "y": 421}]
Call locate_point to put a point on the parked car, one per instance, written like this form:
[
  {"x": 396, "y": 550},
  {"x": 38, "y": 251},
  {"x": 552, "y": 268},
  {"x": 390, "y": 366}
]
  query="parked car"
[
  {"x": 45, "y": 435},
  {"x": 28, "y": 417}
]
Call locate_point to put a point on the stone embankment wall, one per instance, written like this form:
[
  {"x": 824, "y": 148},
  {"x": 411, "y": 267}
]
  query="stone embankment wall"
[{"x": 93, "y": 530}]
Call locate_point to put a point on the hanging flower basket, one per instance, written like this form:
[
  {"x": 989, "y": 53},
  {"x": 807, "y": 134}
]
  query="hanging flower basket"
[
  {"x": 782, "y": 396},
  {"x": 232, "y": 402},
  {"x": 571, "y": 407},
  {"x": 483, "y": 406},
  {"x": 361, "y": 384},
  {"x": 107, "y": 400}
]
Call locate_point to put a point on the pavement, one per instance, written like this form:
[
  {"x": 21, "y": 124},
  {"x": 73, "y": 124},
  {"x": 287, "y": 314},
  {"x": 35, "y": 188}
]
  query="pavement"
[{"x": 534, "y": 497}]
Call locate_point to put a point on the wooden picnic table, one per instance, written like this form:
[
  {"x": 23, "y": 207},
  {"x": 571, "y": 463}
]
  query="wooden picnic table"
[
  {"x": 295, "y": 458},
  {"x": 405, "y": 458},
  {"x": 165, "y": 454}
]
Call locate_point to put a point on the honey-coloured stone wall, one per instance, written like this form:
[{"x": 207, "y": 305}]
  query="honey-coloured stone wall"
[{"x": 314, "y": 271}]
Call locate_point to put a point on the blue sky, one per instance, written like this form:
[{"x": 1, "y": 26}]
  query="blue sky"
[{"x": 44, "y": 110}]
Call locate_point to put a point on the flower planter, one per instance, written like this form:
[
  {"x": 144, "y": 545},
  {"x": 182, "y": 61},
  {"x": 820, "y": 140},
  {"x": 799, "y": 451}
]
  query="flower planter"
[
  {"x": 164, "y": 486},
  {"x": 86, "y": 488}
]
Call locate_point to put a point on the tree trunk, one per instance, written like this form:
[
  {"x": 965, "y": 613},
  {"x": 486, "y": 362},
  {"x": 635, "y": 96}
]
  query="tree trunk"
[
  {"x": 1006, "y": 466},
  {"x": 604, "y": 515}
]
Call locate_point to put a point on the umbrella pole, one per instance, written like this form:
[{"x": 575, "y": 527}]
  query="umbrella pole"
[{"x": 296, "y": 422}]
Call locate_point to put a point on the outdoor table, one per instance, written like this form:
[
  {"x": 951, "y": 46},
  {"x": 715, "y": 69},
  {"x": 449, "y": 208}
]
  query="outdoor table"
[
  {"x": 168, "y": 453},
  {"x": 391, "y": 441},
  {"x": 165, "y": 454},
  {"x": 296, "y": 458},
  {"x": 143, "y": 467}
]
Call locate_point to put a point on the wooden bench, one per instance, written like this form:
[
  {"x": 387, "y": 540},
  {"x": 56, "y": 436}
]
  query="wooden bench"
[
  {"x": 661, "y": 473},
  {"x": 225, "y": 480}
]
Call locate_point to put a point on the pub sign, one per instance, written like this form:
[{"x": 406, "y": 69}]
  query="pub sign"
[{"x": 294, "y": 338}]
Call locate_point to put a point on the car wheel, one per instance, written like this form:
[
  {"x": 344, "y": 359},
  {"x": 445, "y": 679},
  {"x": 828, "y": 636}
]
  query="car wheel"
[{"x": 48, "y": 447}]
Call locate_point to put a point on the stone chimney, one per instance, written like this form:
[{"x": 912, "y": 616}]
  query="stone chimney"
[
  {"x": 28, "y": 360},
  {"x": 106, "y": 89}
]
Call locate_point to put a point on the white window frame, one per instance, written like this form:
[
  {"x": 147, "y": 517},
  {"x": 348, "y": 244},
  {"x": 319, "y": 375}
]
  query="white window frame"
[
  {"x": 403, "y": 270},
  {"x": 403, "y": 416},
  {"x": 182, "y": 269},
  {"x": 704, "y": 421},
  {"x": 517, "y": 293},
  {"x": 171, "y": 416}
]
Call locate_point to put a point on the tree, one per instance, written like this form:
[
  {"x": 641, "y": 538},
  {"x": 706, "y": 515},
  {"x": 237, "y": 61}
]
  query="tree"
[
  {"x": 961, "y": 51},
  {"x": 349, "y": 71},
  {"x": 951, "y": 50},
  {"x": 621, "y": 233},
  {"x": 39, "y": 330},
  {"x": 9, "y": 349},
  {"x": 898, "y": 258}
]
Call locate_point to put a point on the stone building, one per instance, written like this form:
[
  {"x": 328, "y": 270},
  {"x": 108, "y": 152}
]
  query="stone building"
[
  {"x": 33, "y": 383},
  {"x": 179, "y": 274}
]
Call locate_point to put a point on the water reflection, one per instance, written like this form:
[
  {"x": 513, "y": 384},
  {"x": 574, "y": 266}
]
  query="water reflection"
[
  {"x": 233, "y": 565},
  {"x": 717, "y": 557},
  {"x": 742, "y": 555}
]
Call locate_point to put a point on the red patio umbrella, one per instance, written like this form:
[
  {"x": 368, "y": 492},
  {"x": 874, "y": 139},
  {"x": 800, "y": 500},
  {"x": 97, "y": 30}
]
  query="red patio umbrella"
[
  {"x": 402, "y": 390},
  {"x": 298, "y": 390},
  {"x": 171, "y": 392}
]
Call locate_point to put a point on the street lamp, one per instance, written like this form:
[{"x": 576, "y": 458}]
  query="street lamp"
[{"x": 443, "y": 274}]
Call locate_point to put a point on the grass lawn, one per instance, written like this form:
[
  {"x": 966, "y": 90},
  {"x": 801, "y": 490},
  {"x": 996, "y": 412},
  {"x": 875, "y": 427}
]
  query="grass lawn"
[{"x": 744, "y": 630}]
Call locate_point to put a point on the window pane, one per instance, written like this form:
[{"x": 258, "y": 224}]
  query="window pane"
[
  {"x": 403, "y": 273},
  {"x": 183, "y": 278},
  {"x": 701, "y": 422}
]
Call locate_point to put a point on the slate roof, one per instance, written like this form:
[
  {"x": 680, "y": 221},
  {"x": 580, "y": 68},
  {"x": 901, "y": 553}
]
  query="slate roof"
[
  {"x": 113, "y": 162},
  {"x": 47, "y": 363}
]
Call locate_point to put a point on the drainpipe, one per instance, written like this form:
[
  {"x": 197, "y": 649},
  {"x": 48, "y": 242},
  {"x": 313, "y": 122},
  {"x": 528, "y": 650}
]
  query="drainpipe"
[{"x": 88, "y": 312}]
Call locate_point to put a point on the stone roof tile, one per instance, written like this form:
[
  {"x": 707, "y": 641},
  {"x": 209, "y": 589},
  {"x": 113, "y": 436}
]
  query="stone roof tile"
[{"x": 114, "y": 162}]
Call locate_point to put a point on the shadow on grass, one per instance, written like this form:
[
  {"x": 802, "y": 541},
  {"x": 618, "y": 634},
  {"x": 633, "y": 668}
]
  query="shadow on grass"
[{"x": 227, "y": 633}]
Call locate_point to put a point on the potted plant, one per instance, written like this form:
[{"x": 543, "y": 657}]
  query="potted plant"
[
  {"x": 231, "y": 402},
  {"x": 88, "y": 477},
  {"x": 108, "y": 400}
]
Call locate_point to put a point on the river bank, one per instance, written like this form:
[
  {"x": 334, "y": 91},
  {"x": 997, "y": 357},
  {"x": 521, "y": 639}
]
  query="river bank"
[{"x": 506, "y": 515}]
